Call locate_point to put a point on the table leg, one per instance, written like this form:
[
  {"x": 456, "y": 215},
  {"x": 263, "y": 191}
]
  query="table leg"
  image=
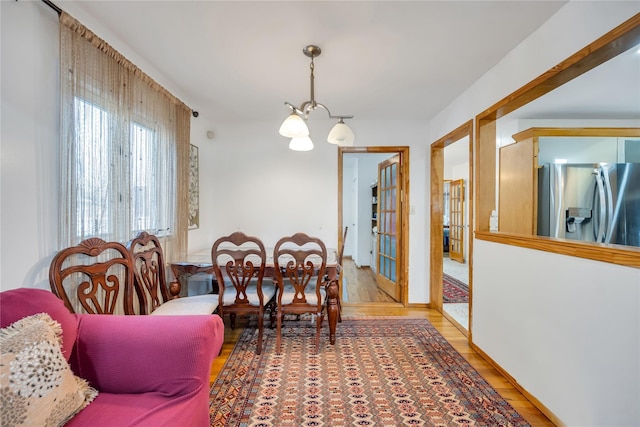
[
  {"x": 177, "y": 289},
  {"x": 332, "y": 309}
]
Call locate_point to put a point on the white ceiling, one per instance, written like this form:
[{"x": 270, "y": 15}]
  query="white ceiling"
[
  {"x": 609, "y": 91},
  {"x": 380, "y": 59}
]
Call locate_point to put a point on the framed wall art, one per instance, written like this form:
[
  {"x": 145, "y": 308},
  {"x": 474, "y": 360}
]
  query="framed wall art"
[{"x": 194, "y": 189}]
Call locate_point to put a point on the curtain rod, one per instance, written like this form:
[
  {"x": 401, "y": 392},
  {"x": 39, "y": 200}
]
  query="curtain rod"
[{"x": 52, "y": 6}]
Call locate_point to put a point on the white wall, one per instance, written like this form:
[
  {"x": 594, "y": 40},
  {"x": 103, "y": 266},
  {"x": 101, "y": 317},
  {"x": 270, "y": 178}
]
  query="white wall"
[
  {"x": 28, "y": 215},
  {"x": 251, "y": 181},
  {"x": 349, "y": 207},
  {"x": 367, "y": 173},
  {"x": 569, "y": 333},
  {"x": 29, "y": 143},
  {"x": 565, "y": 328}
]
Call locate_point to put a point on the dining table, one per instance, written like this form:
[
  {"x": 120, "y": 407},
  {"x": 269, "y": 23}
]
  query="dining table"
[{"x": 200, "y": 262}]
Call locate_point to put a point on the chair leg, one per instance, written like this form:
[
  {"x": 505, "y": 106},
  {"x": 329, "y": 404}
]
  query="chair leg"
[
  {"x": 260, "y": 325},
  {"x": 278, "y": 332},
  {"x": 272, "y": 315},
  {"x": 319, "y": 317}
]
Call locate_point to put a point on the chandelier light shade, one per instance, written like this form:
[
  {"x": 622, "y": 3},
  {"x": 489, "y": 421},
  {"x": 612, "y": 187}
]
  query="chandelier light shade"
[
  {"x": 341, "y": 134},
  {"x": 302, "y": 143},
  {"x": 295, "y": 125}
]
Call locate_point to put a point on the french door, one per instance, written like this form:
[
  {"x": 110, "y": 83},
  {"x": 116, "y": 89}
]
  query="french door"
[
  {"x": 388, "y": 226},
  {"x": 456, "y": 220}
]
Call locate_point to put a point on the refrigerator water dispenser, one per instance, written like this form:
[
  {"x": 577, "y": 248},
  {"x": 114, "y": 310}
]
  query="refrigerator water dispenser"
[{"x": 575, "y": 217}]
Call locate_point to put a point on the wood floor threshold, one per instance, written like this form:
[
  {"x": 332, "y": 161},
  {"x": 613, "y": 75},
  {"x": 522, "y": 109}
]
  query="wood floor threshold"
[{"x": 373, "y": 304}]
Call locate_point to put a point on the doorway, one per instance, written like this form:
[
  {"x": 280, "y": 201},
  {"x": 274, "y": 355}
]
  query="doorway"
[
  {"x": 451, "y": 230},
  {"x": 455, "y": 281},
  {"x": 372, "y": 195}
]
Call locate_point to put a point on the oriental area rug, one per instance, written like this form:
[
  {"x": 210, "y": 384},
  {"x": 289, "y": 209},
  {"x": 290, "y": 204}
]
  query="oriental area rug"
[
  {"x": 381, "y": 372},
  {"x": 453, "y": 290}
]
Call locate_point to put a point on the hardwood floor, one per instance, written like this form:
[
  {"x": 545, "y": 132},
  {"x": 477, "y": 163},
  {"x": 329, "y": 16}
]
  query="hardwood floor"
[
  {"x": 359, "y": 284},
  {"x": 445, "y": 327}
]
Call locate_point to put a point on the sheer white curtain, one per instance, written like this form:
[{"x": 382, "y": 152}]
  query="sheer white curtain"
[{"x": 124, "y": 148}]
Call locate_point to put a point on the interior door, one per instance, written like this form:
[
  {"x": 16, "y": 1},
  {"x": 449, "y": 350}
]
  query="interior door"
[
  {"x": 388, "y": 226},
  {"x": 456, "y": 220}
]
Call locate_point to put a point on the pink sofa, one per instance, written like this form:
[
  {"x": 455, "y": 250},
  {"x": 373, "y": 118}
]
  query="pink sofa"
[{"x": 148, "y": 370}]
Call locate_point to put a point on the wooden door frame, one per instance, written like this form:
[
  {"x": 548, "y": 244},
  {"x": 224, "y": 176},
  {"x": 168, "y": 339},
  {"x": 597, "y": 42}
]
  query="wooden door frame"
[
  {"x": 403, "y": 243},
  {"x": 436, "y": 211}
]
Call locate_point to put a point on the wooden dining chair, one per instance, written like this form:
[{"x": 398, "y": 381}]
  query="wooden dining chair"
[
  {"x": 299, "y": 267},
  {"x": 150, "y": 280},
  {"x": 93, "y": 277},
  {"x": 239, "y": 262}
]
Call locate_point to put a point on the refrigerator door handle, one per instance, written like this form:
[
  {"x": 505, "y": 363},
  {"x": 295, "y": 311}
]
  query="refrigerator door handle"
[
  {"x": 601, "y": 223},
  {"x": 609, "y": 206}
]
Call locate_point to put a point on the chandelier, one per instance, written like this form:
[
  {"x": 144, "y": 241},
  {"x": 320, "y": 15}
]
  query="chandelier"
[{"x": 295, "y": 126}]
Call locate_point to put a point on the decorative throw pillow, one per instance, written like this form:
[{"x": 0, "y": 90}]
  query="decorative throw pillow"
[{"x": 37, "y": 386}]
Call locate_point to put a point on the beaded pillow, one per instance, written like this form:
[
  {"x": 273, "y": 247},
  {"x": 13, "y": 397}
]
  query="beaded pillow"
[{"x": 37, "y": 386}]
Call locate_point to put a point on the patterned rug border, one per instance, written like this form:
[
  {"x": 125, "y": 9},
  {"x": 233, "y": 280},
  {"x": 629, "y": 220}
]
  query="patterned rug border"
[
  {"x": 357, "y": 317},
  {"x": 237, "y": 381},
  {"x": 454, "y": 290}
]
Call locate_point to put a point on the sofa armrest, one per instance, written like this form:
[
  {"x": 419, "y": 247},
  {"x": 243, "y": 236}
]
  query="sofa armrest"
[{"x": 171, "y": 355}]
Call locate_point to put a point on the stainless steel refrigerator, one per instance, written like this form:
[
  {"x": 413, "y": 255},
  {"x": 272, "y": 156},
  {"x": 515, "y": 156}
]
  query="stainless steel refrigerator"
[{"x": 590, "y": 202}]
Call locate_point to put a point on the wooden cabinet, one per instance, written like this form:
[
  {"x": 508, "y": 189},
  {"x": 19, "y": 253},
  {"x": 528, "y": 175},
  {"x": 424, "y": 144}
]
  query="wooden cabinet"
[{"x": 518, "y": 185}]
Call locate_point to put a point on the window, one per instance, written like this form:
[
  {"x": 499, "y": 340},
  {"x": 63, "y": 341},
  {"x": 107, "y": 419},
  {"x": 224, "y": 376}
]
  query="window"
[
  {"x": 124, "y": 148},
  {"x": 92, "y": 145},
  {"x": 99, "y": 164},
  {"x": 144, "y": 183}
]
